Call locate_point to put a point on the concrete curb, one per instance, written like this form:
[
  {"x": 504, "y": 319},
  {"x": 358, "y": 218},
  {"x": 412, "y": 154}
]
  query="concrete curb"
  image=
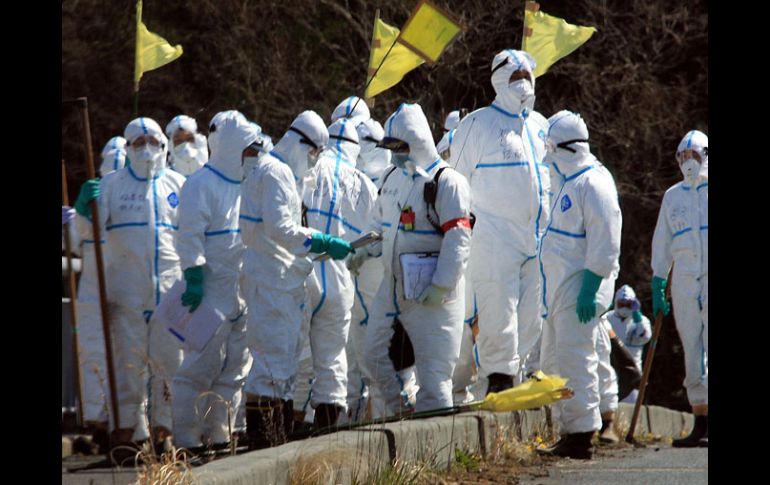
[
  {"x": 433, "y": 440},
  {"x": 66, "y": 447}
]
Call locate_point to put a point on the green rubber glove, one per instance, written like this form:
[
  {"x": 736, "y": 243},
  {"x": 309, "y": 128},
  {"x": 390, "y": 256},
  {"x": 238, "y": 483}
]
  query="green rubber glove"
[
  {"x": 586, "y": 300},
  {"x": 193, "y": 295},
  {"x": 88, "y": 192},
  {"x": 659, "y": 302},
  {"x": 336, "y": 247},
  {"x": 433, "y": 295},
  {"x": 637, "y": 316}
]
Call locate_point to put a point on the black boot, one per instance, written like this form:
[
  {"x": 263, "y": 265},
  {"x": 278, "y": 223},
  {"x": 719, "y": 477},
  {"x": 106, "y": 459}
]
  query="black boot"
[
  {"x": 326, "y": 415},
  {"x": 699, "y": 431},
  {"x": 266, "y": 423},
  {"x": 574, "y": 445},
  {"x": 499, "y": 382}
]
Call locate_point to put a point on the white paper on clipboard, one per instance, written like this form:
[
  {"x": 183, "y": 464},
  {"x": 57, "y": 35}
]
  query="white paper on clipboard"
[
  {"x": 194, "y": 329},
  {"x": 362, "y": 241},
  {"x": 418, "y": 269}
]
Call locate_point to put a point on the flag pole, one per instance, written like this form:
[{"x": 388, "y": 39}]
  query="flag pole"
[{"x": 137, "y": 74}]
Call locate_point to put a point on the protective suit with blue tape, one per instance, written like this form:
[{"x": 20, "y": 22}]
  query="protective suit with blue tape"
[
  {"x": 211, "y": 251},
  {"x": 579, "y": 264},
  {"x": 138, "y": 212},
  {"x": 500, "y": 149},
  {"x": 90, "y": 334},
  {"x": 433, "y": 319},
  {"x": 339, "y": 200},
  {"x": 275, "y": 269},
  {"x": 189, "y": 150},
  {"x": 681, "y": 239},
  {"x": 353, "y": 108}
]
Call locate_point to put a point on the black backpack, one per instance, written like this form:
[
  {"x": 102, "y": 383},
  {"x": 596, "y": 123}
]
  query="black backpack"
[{"x": 429, "y": 194}]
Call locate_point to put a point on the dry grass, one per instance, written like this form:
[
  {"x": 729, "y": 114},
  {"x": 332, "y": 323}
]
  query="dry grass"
[{"x": 170, "y": 468}]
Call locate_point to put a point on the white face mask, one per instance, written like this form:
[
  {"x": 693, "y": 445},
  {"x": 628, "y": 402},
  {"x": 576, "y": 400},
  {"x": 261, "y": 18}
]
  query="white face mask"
[
  {"x": 185, "y": 159},
  {"x": 146, "y": 159},
  {"x": 690, "y": 168},
  {"x": 623, "y": 312},
  {"x": 522, "y": 89}
]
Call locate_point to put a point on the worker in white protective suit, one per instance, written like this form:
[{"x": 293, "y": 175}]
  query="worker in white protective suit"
[
  {"x": 631, "y": 327},
  {"x": 113, "y": 155},
  {"x": 189, "y": 150},
  {"x": 579, "y": 255},
  {"x": 353, "y": 108},
  {"x": 500, "y": 149},
  {"x": 681, "y": 239},
  {"x": 138, "y": 212},
  {"x": 411, "y": 227},
  {"x": 211, "y": 252},
  {"x": 339, "y": 201},
  {"x": 450, "y": 125},
  {"x": 90, "y": 333},
  {"x": 275, "y": 269}
]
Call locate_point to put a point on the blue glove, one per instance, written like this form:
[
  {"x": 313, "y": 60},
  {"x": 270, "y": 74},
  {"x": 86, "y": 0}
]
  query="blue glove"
[
  {"x": 88, "y": 192},
  {"x": 586, "y": 300},
  {"x": 193, "y": 295},
  {"x": 659, "y": 303},
  {"x": 67, "y": 214},
  {"x": 336, "y": 247}
]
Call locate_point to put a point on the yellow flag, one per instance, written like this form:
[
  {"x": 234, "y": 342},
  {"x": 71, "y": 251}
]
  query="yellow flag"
[
  {"x": 152, "y": 50},
  {"x": 400, "y": 60},
  {"x": 428, "y": 31},
  {"x": 548, "y": 38}
]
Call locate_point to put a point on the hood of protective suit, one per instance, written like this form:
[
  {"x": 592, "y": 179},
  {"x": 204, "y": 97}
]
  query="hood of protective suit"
[
  {"x": 626, "y": 293},
  {"x": 343, "y": 138},
  {"x": 112, "y": 161},
  {"x": 409, "y": 124},
  {"x": 114, "y": 143},
  {"x": 510, "y": 96},
  {"x": 353, "y": 108},
  {"x": 146, "y": 161},
  {"x": 372, "y": 160},
  {"x": 566, "y": 126},
  {"x": 452, "y": 120},
  {"x": 229, "y": 134},
  {"x": 186, "y": 157},
  {"x": 698, "y": 141},
  {"x": 290, "y": 151}
]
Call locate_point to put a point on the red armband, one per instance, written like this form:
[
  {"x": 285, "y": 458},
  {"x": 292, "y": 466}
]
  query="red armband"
[{"x": 459, "y": 222}]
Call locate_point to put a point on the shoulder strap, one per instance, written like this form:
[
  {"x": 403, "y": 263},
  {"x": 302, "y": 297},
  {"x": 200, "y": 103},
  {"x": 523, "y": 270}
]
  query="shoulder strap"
[{"x": 385, "y": 179}]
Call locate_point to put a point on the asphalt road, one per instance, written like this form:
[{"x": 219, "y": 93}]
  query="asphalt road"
[{"x": 625, "y": 466}]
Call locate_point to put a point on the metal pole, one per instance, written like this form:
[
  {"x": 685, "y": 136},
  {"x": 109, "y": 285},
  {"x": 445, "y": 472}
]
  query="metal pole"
[
  {"x": 83, "y": 105},
  {"x": 73, "y": 296},
  {"x": 648, "y": 366}
]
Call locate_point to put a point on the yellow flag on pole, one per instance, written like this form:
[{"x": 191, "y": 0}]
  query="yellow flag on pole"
[
  {"x": 548, "y": 38},
  {"x": 400, "y": 60},
  {"x": 152, "y": 50},
  {"x": 428, "y": 31}
]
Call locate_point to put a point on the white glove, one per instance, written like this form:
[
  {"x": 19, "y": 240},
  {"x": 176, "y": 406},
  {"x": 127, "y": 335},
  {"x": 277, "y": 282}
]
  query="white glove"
[
  {"x": 433, "y": 295},
  {"x": 355, "y": 260}
]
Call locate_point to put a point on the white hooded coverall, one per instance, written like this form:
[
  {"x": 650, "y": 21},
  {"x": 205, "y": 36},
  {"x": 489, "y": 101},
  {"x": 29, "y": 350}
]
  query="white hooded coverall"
[
  {"x": 583, "y": 233},
  {"x": 681, "y": 239},
  {"x": 435, "y": 331},
  {"x": 275, "y": 263},
  {"x": 500, "y": 149},
  {"x": 138, "y": 212},
  {"x": 187, "y": 157},
  {"x": 209, "y": 236}
]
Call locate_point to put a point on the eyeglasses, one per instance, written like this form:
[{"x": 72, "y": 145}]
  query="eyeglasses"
[
  {"x": 394, "y": 144},
  {"x": 687, "y": 154},
  {"x": 182, "y": 136},
  {"x": 143, "y": 140}
]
